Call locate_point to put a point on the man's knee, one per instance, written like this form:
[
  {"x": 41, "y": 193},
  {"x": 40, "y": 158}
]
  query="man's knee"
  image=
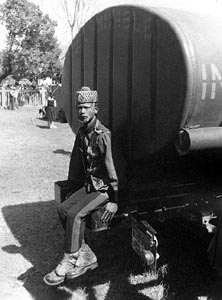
[
  {"x": 74, "y": 215},
  {"x": 67, "y": 212}
]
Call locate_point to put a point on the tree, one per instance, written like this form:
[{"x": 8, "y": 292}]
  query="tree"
[
  {"x": 75, "y": 13},
  {"x": 1, "y": 60},
  {"x": 32, "y": 49}
]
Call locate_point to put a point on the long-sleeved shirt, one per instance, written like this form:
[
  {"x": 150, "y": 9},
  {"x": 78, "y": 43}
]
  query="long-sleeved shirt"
[{"x": 91, "y": 160}]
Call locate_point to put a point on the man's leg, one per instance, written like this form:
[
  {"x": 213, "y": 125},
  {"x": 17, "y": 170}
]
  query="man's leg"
[
  {"x": 77, "y": 208},
  {"x": 57, "y": 276},
  {"x": 75, "y": 232},
  {"x": 71, "y": 201},
  {"x": 73, "y": 212}
]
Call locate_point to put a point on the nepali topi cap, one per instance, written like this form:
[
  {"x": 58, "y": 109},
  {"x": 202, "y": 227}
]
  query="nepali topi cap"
[{"x": 85, "y": 95}]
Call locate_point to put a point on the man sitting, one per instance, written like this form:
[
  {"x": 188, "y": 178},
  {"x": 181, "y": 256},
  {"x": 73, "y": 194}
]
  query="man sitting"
[{"x": 94, "y": 184}]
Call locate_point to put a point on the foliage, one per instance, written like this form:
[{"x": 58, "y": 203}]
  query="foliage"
[
  {"x": 32, "y": 50},
  {"x": 75, "y": 13},
  {"x": 74, "y": 16},
  {"x": 1, "y": 60}
]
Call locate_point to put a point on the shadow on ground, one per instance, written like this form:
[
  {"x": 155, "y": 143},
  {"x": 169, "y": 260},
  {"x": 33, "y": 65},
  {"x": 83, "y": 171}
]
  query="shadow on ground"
[
  {"x": 37, "y": 228},
  {"x": 61, "y": 151},
  {"x": 42, "y": 126}
]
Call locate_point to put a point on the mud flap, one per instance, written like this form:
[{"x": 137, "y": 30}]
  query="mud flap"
[
  {"x": 215, "y": 248},
  {"x": 144, "y": 243}
]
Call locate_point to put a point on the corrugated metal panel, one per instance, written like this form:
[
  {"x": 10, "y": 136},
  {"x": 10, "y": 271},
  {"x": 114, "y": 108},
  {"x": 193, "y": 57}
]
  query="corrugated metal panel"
[{"x": 147, "y": 65}]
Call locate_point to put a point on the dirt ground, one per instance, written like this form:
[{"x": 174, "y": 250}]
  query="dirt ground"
[{"x": 32, "y": 158}]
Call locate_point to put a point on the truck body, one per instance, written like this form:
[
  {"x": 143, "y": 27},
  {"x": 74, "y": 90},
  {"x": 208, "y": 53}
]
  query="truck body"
[{"x": 158, "y": 73}]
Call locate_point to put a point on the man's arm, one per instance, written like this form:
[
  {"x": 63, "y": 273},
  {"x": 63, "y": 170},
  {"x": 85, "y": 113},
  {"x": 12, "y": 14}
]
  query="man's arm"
[{"x": 106, "y": 149}]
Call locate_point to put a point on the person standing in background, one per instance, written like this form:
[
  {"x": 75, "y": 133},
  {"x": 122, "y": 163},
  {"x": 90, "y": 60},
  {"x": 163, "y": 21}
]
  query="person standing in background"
[{"x": 50, "y": 111}]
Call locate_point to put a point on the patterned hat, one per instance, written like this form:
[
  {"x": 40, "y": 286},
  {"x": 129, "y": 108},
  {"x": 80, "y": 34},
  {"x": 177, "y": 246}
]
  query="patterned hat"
[{"x": 85, "y": 95}]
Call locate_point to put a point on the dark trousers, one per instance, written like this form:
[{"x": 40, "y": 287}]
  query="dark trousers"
[{"x": 73, "y": 213}]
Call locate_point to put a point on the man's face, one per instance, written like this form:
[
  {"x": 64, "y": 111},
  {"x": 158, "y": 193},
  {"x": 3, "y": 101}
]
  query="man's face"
[{"x": 85, "y": 112}]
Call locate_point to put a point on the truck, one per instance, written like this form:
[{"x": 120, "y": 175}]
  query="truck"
[{"x": 158, "y": 73}]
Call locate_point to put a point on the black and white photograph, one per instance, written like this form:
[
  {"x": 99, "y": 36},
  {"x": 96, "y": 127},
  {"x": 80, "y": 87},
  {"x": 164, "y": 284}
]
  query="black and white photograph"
[{"x": 110, "y": 150}]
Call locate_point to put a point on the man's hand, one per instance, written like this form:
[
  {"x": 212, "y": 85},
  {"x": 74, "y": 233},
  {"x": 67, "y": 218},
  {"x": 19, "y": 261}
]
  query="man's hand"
[{"x": 110, "y": 210}]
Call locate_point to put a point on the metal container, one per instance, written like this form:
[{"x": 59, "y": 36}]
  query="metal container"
[
  {"x": 61, "y": 189},
  {"x": 156, "y": 70},
  {"x": 95, "y": 223},
  {"x": 144, "y": 242}
]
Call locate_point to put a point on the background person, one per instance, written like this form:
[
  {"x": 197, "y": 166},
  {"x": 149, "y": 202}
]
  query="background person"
[
  {"x": 50, "y": 110},
  {"x": 94, "y": 184}
]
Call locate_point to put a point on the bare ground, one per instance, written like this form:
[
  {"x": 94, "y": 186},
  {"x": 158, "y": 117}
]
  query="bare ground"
[{"x": 32, "y": 158}]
